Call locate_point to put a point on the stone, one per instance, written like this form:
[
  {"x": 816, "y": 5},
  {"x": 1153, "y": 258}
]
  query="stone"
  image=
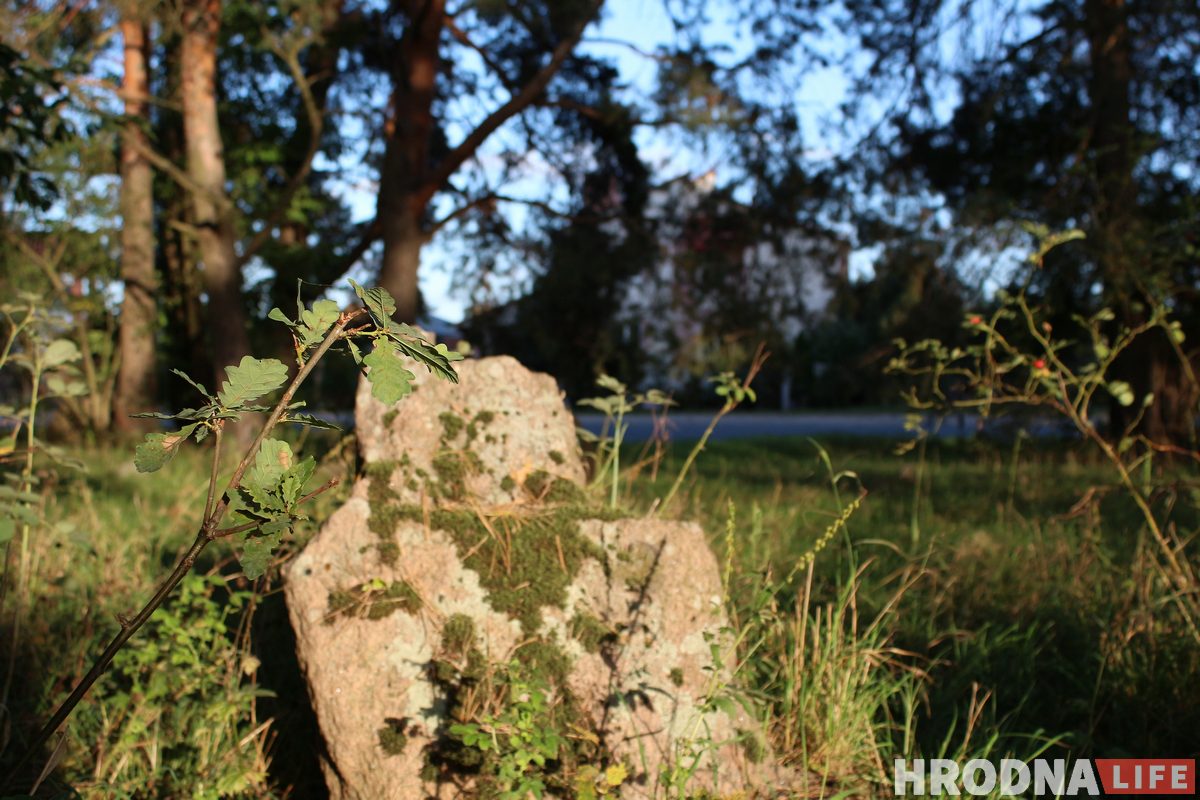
[
  {"x": 480, "y": 438},
  {"x": 426, "y": 583}
]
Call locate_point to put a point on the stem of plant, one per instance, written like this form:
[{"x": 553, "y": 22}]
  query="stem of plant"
[
  {"x": 23, "y": 552},
  {"x": 207, "y": 533}
]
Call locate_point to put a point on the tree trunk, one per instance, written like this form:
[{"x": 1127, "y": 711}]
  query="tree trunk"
[
  {"x": 137, "y": 383},
  {"x": 403, "y": 193},
  {"x": 215, "y": 232},
  {"x": 1151, "y": 366},
  {"x": 402, "y": 243}
]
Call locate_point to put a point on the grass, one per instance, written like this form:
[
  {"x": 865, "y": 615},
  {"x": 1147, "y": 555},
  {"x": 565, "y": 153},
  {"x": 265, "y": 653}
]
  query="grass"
[{"x": 969, "y": 607}]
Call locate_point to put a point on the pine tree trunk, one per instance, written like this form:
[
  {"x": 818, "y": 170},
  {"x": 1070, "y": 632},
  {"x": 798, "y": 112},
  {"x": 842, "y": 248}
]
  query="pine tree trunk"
[
  {"x": 216, "y": 235},
  {"x": 137, "y": 383},
  {"x": 404, "y": 193},
  {"x": 402, "y": 243}
]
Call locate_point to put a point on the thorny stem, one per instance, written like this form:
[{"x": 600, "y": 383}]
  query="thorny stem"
[{"x": 207, "y": 533}]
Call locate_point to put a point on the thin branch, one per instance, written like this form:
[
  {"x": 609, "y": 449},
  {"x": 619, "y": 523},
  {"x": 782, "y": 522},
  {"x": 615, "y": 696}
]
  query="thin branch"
[
  {"x": 515, "y": 105},
  {"x": 216, "y": 464},
  {"x": 461, "y": 35},
  {"x": 316, "y": 124},
  {"x": 641, "y": 51},
  {"x": 492, "y": 198}
]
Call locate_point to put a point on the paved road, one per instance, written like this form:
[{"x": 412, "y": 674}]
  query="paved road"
[{"x": 688, "y": 425}]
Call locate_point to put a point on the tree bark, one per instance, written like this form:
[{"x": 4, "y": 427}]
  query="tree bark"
[
  {"x": 137, "y": 384},
  {"x": 215, "y": 231},
  {"x": 403, "y": 194},
  {"x": 412, "y": 173}
]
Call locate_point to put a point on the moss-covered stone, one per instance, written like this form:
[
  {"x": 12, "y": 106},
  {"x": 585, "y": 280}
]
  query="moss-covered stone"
[
  {"x": 389, "y": 552},
  {"x": 458, "y": 635},
  {"x": 478, "y": 423},
  {"x": 545, "y": 659},
  {"x": 530, "y": 560},
  {"x": 383, "y": 499}
]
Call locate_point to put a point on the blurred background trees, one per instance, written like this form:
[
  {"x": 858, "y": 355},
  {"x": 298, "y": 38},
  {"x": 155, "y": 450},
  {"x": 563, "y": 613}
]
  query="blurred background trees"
[{"x": 171, "y": 170}]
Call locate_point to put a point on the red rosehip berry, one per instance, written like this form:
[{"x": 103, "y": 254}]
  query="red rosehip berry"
[
  {"x": 976, "y": 320},
  {"x": 1039, "y": 364}
]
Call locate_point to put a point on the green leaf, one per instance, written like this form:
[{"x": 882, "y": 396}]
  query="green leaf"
[
  {"x": 8, "y": 527},
  {"x": 197, "y": 386},
  {"x": 310, "y": 421},
  {"x": 436, "y": 358},
  {"x": 377, "y": 301},
  {"x": 257, "y": 550},
  {"x": 317, "y": 321},
  {"x": 59, "y": 386},
  {"x": 271, "y": 461},
  {"x": 1122, "y": 391},
  {"x": 250, "y": 380},
  {"x": 278, "y": 315},
  {"x": 60, "y": 351},
  {"x": 159, "y": 448},
  {"x": 390, "y": 381},
  {"x": 293, "y": 481}
]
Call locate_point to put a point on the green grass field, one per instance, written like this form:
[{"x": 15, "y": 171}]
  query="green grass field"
[{"x": 972, "y": 605}]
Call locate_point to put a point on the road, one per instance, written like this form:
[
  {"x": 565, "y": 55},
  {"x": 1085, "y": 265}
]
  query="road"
[{"x": 690, "y": 425}]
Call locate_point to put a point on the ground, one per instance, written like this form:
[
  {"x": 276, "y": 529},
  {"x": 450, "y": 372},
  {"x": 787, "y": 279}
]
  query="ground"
[{"x": 971, "y": 605}]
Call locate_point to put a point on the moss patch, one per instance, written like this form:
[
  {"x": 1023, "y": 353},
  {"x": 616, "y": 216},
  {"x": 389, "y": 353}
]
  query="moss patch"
[
  {"x": 392, "y": 739},
  {"x": 373, "y": 600},
  {"x": 556, "y": 457},
  {"x": 676, "y": 676},
  {"x": 452, "y": 425},
  {"x": 452, "y": 468},
  {"x": 524, "y": 562},
  {"x": 549, "y": 488},
  {"x": 479, "y": 422},
  {"x": 383, "y": 499},
  {"x": 590, "y": 631}
]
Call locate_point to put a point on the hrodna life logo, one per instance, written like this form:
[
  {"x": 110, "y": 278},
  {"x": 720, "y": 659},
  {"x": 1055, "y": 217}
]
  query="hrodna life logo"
[{"x": 1045, "y": 777}]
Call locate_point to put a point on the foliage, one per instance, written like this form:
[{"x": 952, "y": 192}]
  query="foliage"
[
  {"x": 180, "y": 695},
  {"x": 1018, "y": 358},
  {"x": 29, "y": 120},
  {"x": 520, "y": 741},
  {"x": 268, "y": 484},
  {"x": 615, "y": 405}
]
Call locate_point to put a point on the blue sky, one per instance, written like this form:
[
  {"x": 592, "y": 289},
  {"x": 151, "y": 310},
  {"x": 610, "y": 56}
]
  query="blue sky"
[{"x": 645, "y": 25}]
